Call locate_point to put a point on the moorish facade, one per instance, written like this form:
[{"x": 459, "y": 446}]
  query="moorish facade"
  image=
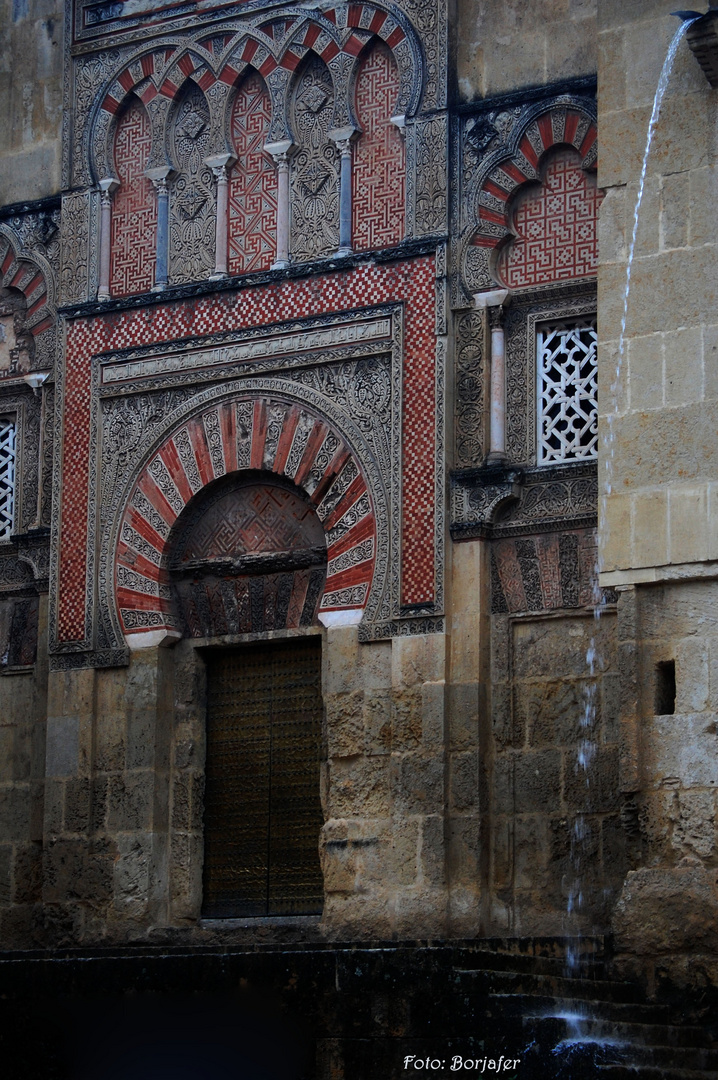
[{"x": 301, "y": 618}]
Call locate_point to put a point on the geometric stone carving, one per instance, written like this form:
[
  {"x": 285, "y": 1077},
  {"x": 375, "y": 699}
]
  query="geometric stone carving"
[
  {"x": 7, "y": 476},
  {"x": 252, "y": 181},
  {"x": 192, "y": 199},
  {"x": 314, "y": 167},
  {"x": 134, "y": 206},
  {"x": 554, "y": 227},
  {"x": 567, "y": 387},
  {"x": 379, "y": 171}
]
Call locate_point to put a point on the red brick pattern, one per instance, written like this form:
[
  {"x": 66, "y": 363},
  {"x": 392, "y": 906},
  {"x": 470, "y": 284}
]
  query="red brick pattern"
[
  {"x": 411, "y": 281},
  {"x": 21, "y": 274},
  {"x": 134, "y": 208},
  {"x": 252, "y": 181},
  {"x": 555, "y": 228},
  {"x": 379, "y": 175}
]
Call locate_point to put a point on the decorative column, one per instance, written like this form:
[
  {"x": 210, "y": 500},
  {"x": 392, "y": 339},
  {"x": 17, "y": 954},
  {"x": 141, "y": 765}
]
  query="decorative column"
[
  {"x": 343, "y": 139},
  {"x": 219, "y": 164},
  {"x": 160, "y": 178},
  {"x": 107, "y": 188},
  {"x": 493, "y": 303},
  {"x": 280, "y": 151}
]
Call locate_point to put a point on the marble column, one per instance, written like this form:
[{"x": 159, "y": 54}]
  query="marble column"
[
  {"x": 108, "y": 186},
  {"x": 160, "y": 178},
  {"x": 219, "y": 164},
  {"x": 343, "y": 139},
  {"x": 494, "y": 303},
  {"x": 281, "y": 151}
]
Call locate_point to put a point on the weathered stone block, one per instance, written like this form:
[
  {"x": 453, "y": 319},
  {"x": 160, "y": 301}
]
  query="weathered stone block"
[
  {"x": 15, "y": 812},
  {"x": 359, "y": 787},
  {"x": 433, "y": 851},
  {"x": 462, "y": 709},
  {"x": 464, "y": 781},
  {"x": 77, "y": 804},
  {"x": 680, "y": 749},
  {"x": 377, "y": 721},
  {"x": 130, "y": 802},
  {"x": 345, "y": 724},
  {"x": 593, "y": 788},
  {"x": 418, "y": 784},
  {"x": 63, "y": 745},
  {"x": 28, "y": 874},
  {"x": 538, "y": 782},
  {"x": 406, "y": 720}
]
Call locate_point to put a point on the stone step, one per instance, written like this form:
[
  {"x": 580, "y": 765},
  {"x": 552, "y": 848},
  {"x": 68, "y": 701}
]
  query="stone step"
[
  {"x": 528, "y": 984},
  {"x": 650, "y": 1072},
  {"x": 670, "y": 1036},
  {"x": 624, "y": 1012},
  {"x": 588, "y": 969}
]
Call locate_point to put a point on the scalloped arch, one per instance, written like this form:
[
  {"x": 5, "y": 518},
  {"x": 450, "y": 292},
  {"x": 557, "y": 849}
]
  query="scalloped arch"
[
  {"x": 519, "y": 163},
  {"x": 31, "y": 275}
]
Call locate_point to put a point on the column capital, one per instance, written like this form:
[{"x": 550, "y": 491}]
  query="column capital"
[
  {"x": 108, "y": 186},
  {"x": 160, "y": 177},
  {"x": 343, "y": 137},
  {"x": 280, "y": 151},
  {"x": 219, "y": 164}
]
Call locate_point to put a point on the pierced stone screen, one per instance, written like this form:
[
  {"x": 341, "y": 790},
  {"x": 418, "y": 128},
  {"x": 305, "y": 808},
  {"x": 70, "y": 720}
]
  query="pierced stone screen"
[
  {"x": 7, "y": 476},
  {"x": 568, "y": 417}
]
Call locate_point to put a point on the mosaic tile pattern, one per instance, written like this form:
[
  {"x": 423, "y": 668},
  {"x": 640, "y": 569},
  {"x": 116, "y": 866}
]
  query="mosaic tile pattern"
[
  {"x": 252, "y": 181},
  {"x": 555, "y": 228},
  {"x": 378, "y": 177},
  {"x": 411, "y": 281},
  {"x": 134, "y": 207}
]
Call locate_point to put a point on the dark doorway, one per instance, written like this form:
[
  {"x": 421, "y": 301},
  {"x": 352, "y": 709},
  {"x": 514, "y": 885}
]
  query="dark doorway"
[{"x": 262, "y": 810}]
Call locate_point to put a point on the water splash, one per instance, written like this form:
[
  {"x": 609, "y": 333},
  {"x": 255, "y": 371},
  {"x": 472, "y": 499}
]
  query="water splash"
[{"x": 581, "y": 832}]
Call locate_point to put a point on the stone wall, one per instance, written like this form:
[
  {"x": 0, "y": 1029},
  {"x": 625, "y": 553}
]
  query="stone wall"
[
  {"x": 23, "y": 711},
  {"x": 506, "y": 46},
  {"x": 31, "y": 63},
  {"x": 662, "y": 511}
]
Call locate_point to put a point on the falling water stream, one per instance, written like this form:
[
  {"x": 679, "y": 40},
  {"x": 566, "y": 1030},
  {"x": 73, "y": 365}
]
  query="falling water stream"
[{"x": 580, "y": 847}]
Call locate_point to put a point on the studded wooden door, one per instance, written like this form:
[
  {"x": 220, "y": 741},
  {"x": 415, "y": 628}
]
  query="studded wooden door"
[{"x": 262, "y": 809}]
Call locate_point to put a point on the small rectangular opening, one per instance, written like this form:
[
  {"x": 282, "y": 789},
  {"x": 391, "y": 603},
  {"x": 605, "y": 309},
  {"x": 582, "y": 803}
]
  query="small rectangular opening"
[{"x": 665, "y": 701}]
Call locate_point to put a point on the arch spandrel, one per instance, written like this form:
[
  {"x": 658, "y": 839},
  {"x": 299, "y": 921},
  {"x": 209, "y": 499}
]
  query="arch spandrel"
[{"x": 244, "y": 438}]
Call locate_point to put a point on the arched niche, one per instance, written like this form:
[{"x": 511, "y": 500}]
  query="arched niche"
[
  {"x": 252, "y": 203},
  {"x": 247, "y": 555},
  {"x": 553, "y": 225},
  {"x": 379, "y": 172},
  {"x": 134, "y": 206}
]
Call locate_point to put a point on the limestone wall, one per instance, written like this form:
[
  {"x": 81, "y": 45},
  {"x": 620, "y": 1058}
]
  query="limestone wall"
[
  {"x": 23, "y": 712},
  {"x": 662, "y": 510},
  {"x": 504, "y": 46},
  {"x": 31, "y": 63}
]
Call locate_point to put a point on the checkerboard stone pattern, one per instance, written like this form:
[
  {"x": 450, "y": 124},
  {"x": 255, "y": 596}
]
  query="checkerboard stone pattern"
[{"x": 411, "y": 281}]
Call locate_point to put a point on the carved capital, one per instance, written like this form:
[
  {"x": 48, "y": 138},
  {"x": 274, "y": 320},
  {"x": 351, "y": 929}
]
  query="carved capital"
[
  {"x": 281, "y": 152},
  {"x": 108, "y": 186}
]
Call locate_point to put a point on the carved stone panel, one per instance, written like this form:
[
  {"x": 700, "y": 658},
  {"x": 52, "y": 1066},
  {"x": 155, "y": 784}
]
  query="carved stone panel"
[
  {"x": 315, "y": 166},
  {"x": 192, "y": 202}
]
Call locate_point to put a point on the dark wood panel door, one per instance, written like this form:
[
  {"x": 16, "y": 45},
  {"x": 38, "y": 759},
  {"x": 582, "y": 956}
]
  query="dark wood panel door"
[{"x": 262, "y": 808}]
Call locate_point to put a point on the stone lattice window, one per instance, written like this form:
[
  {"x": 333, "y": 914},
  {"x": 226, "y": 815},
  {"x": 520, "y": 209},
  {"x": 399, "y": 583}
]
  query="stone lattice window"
[
  {"x": 567, "y": 385},
  {"x": 7, "y": 475}
]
